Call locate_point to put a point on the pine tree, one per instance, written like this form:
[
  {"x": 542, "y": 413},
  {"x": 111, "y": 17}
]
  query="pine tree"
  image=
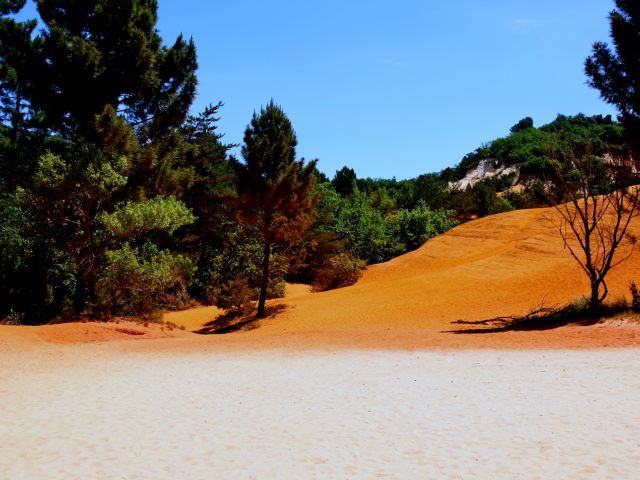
[
  {"x": 94, "y": 53},
  {"x": 15, "y": 47},
  {"x": 81, "y": 102},
  {"x": 616, "y": 72},
  {"x": 344, "y": 181},
  {"x": 21, "y": 134},
  {"x": 274, "y": 189}
]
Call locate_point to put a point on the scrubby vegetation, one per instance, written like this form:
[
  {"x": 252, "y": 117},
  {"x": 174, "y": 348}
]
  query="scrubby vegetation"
[
  {"x": 579, "y": 311},
  {"x": 115, "y": 200},
  {"x": 341, "y": 270}
]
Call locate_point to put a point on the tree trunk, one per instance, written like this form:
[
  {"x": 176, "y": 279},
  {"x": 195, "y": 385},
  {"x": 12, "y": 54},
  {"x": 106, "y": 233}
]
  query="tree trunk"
[
  {"x": 15, "y": 117},
  {"x": 38, "y": 308},
  {"x": 264, "y": 284},
  {"x": 80, "y": 293},
  {"x": 85, "y": 284},
  {"x": 594, "y": 301}
]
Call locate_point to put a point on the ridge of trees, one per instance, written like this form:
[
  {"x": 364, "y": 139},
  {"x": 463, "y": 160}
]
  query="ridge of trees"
[{"x": 532, "y": 149}]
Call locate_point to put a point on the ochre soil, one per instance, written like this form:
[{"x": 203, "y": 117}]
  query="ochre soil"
[{"x": 506, "y": 264}]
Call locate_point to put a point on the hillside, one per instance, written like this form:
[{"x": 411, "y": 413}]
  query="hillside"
[
  {"x": 505, "y": 264},
  {"x": 525, "y": 155},
  {"x": 507, "y": 173},
  {"x": 499, "y": 265}
]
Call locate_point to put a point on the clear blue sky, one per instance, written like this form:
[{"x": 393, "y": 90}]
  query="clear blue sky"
[{"x": 392, "y": 88}]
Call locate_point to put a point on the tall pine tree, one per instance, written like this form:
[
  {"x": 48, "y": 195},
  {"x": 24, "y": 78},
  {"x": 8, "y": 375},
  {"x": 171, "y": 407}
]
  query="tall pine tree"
[
  {"x": 82, "y": 102},
  {"x": 274, "y": 189},
  {"x": 94, "y": 53}
]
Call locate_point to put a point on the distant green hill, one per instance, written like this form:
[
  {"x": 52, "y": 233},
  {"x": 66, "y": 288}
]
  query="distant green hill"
[
  {"x": 534, "y": 148},
  {"x": 481, "y": 184}
]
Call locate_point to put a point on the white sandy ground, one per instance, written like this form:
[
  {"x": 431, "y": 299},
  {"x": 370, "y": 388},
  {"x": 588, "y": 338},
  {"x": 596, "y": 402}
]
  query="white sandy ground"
[{"x": 103, "y": 412}]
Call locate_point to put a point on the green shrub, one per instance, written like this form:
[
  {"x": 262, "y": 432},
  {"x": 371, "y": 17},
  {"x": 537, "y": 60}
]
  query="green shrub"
[
  {"x": 341, "y": 270},
  {"x": 502, "y": 205},
  {"x": 362, "y": 227},
  {"x": 417, "y": 226},
  {"x": 519, "y": 200},
  {"x": 240, "y": 258},
  {"x": 141, "y": 281},
  {"x": 235, "y": 294}
]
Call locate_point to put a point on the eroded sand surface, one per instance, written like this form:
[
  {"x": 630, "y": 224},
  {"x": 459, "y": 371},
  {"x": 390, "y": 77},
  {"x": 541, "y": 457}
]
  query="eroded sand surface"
[
  {"x": 504, "y": 264},
  {"x": 119, "y": 411}
]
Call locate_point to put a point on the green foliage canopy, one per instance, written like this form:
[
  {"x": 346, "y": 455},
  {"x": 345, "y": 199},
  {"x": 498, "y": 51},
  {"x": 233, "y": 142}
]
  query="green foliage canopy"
[
  {"x": 93, "y": 53},
  {"x": 615, "y": 71},
  {"x": 135, "y": 218},
  {"x": 274, "y": 189}
]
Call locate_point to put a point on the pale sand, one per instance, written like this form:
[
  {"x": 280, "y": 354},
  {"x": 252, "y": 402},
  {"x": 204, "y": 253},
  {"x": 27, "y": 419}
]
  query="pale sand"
[
  {"x": 340, "y": 384},
  {"x": 129, "y": 410}
]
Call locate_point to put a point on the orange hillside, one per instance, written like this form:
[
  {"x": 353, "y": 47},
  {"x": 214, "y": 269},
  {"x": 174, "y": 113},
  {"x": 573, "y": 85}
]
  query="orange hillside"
[
  {"x": 505, "y": 264},
  {"x": 500, "y": 265}
]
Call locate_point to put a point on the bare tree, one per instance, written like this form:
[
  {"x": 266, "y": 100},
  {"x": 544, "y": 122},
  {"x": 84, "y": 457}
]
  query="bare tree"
[{"x": 600, "y": 197}]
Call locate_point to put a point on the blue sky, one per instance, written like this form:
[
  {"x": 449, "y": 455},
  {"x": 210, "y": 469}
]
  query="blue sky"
[{"x": 392, "y": 89}]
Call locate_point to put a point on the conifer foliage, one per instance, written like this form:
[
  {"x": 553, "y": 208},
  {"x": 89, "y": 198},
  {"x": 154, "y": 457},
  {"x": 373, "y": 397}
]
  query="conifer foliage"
[
  {"x": 275, "y": 190},
  {"x": 84, "y": 103},
  {"x": 616, "y": 71},
  {"x": 93, "y": 53}
]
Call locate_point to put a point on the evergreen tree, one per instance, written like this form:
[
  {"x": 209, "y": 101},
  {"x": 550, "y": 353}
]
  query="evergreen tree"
[
  {"x": 83, "y": 105},
  {"x": 20, "y": 134},
  {"x": 274, "y": 189},
  {"x": 616, "y": 72},
  {"x": 524, "y": 124},
  {"x": 344, "y": 181},
  {"x": 94, "y": 53},
  {"x": 79, "y": 204},
  {"x": 15, "y": 47},
  {"x": 211, "y": 180}
]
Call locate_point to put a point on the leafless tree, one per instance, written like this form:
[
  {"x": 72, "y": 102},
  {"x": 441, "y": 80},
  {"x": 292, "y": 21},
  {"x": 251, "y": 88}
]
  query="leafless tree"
[{"x": 600, "y": 197}]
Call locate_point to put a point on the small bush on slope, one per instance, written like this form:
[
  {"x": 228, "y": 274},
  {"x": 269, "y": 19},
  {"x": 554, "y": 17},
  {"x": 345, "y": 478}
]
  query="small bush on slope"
[
  {"x": 141, "y": 281},
  {"x": 341, "y": 270}
]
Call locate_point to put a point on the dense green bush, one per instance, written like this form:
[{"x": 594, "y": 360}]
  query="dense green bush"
[
  {"x": 239, "y": 258},
  {"x": 16, "y": 255},
  {"x": 36, "y": 280},
  {"x": 362, "y": 227},
  {"x": 139, "y": 281},
  {"x": 341, "y": 270},
  {"x": 417, "y": 226},
  {"x": 234, "y": 294},
  {"x": 375, "y": 232}
]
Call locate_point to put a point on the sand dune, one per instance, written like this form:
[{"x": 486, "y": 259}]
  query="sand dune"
[
  {"x": 504, "y": 264},
  {"x": 499, "y": 265}
]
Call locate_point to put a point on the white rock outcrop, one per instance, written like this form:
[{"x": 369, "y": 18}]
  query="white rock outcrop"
[{"x": 486, "y": 169}]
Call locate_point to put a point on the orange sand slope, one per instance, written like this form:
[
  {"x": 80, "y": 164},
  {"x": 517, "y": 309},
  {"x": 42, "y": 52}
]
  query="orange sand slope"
[
  {"x": 24, "y": 338},
  {"x": 500, "y": 265}
]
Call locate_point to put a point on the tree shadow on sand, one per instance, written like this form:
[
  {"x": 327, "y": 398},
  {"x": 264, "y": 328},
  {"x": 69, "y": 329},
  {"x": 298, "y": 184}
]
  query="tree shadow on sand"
[
  {"x": 543, "y": 318},
  {"x": 241, "y": 320}
]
